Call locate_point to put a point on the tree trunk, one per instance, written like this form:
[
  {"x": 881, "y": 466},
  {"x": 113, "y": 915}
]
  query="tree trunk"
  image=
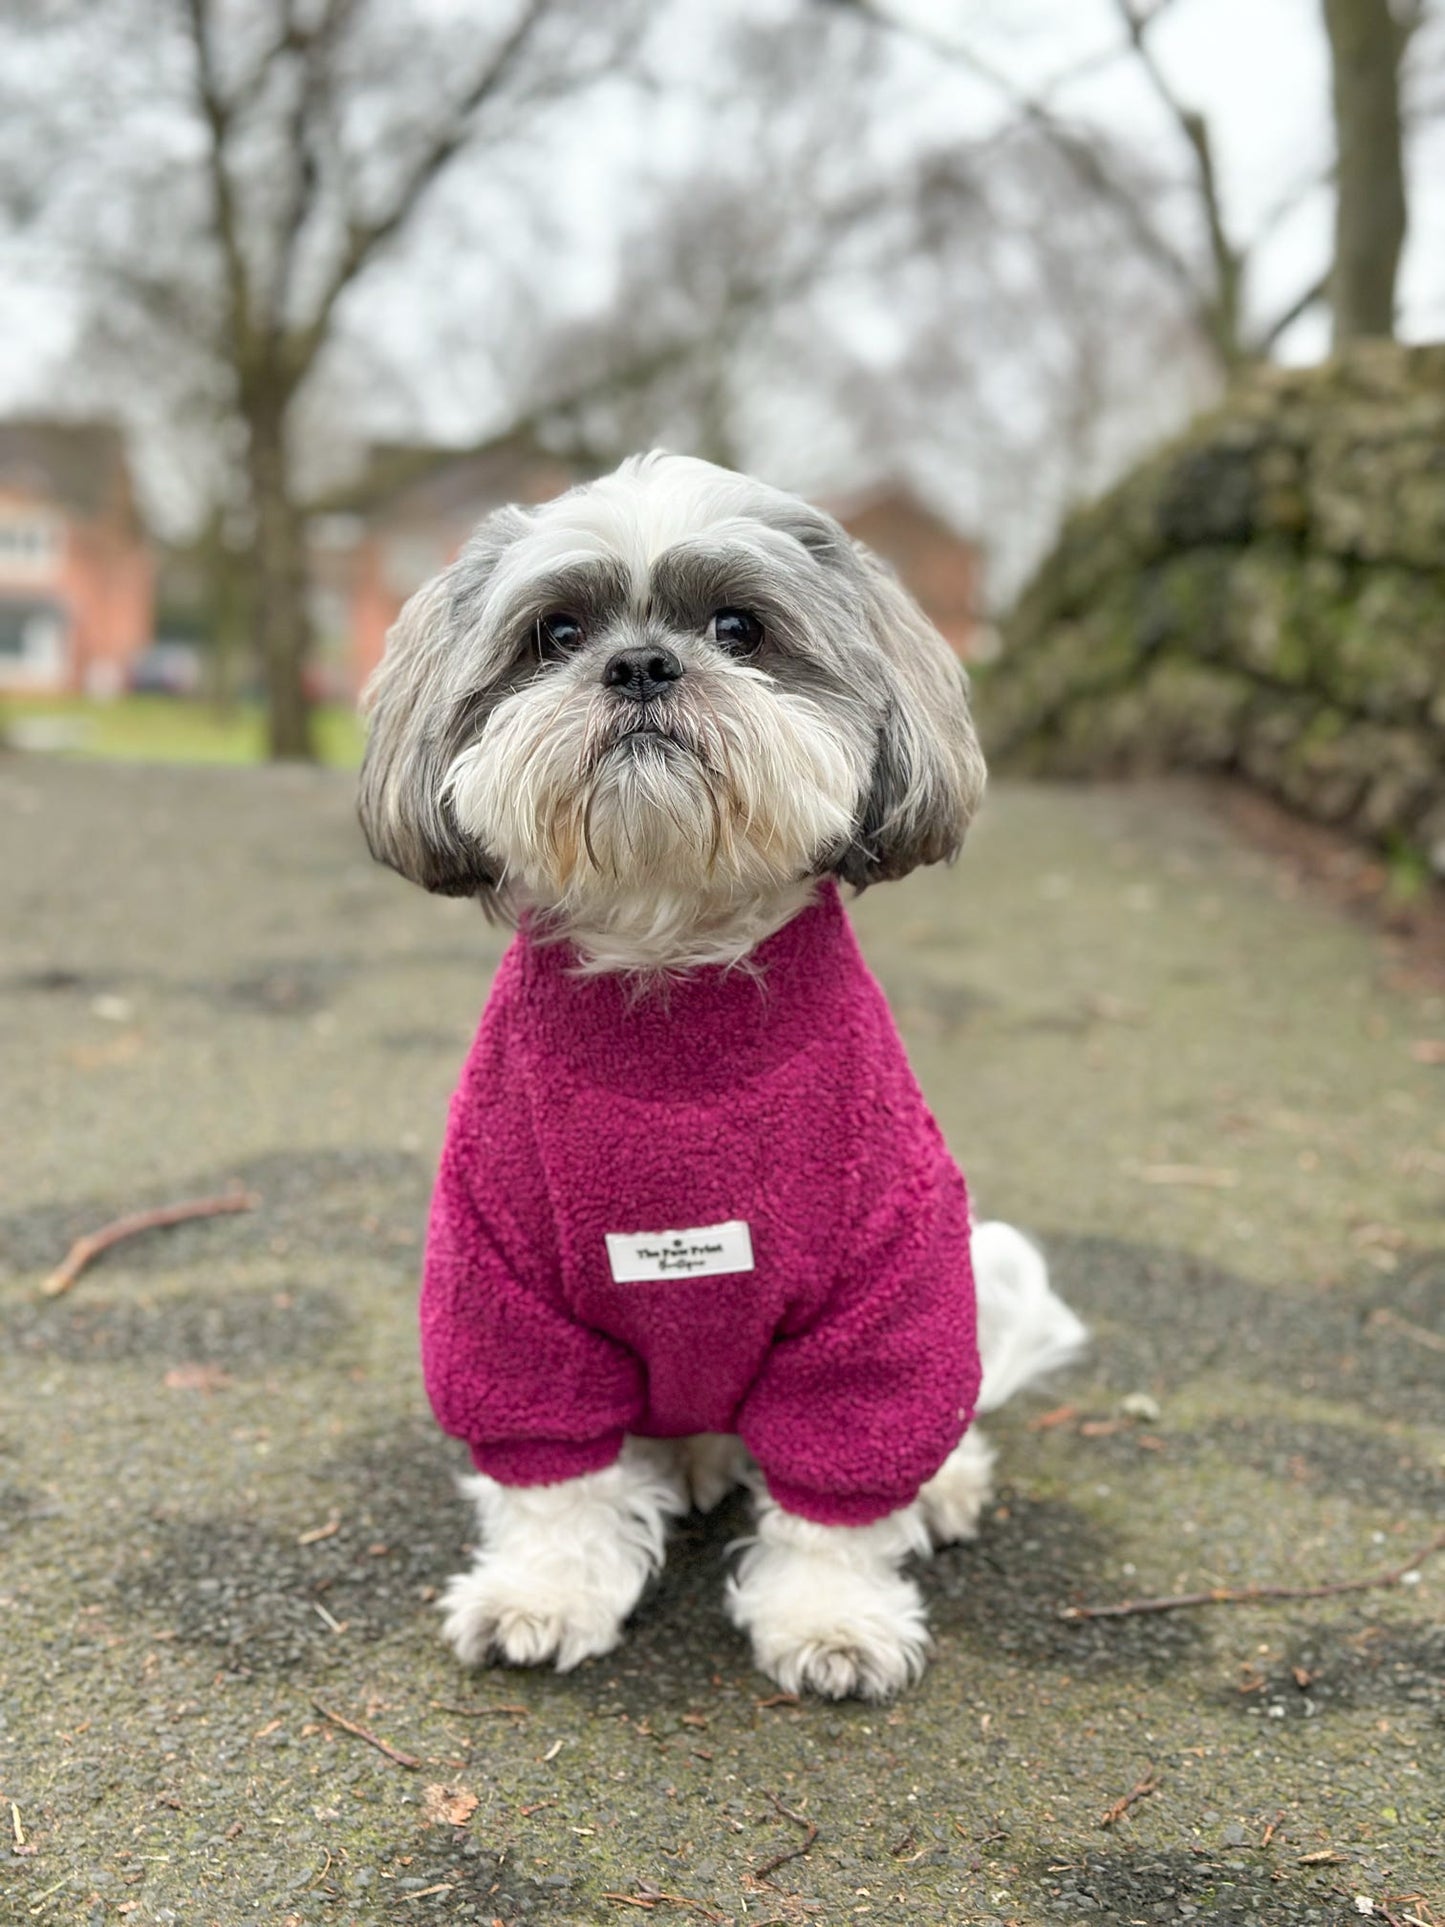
[
  {"x": 279, "y": 587},
  {"x": 1366, "y": 43},
  {"x": 227, "y": 581}
]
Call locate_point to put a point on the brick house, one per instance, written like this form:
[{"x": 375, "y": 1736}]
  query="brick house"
[
  {"x": 418, "y": 506},
  {"x": 77, "y": 576},
  {"x": 943, "y": 569}
]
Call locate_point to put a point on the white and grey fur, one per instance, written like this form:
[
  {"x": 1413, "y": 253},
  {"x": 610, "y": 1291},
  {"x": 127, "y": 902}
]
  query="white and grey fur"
[
  {"x": 678, "y": 832},
  {"x": 660, "y": 833}
]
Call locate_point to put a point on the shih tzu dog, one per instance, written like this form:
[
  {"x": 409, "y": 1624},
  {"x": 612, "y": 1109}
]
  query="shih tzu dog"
[{"x": 694, "y": 1224}]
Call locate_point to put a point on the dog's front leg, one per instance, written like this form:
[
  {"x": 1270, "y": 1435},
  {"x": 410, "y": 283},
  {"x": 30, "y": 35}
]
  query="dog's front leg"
[
  {"x": 561, "y": 1566},
  {"x": 827, "y": 1608}
]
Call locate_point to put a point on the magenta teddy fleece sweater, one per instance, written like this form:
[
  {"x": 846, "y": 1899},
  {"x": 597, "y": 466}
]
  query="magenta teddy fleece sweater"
[{"x": 720, "y": 1205}]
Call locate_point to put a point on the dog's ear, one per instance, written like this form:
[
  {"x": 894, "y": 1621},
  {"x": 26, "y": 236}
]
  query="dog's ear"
[
  {"x": 423, "y": 703},
  {"x": 928, "y": 769}
]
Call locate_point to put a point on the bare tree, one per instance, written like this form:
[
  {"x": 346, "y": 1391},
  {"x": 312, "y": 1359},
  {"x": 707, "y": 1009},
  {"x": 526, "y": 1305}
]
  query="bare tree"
[
  {"x": 247, "y": 165},
  {"x": 834, "y": 307},
  {"x": 1368, "y": 40},
  {"x": 819, "y": 278}
]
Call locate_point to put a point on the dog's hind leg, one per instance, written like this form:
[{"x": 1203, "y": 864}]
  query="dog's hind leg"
[
  {"x": 956, "y": 1495},
  {"x": 1025, "y": 1330}
]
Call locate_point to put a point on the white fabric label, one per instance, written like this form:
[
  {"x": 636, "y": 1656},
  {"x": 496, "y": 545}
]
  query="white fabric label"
[{"x": 701, "y": 1253}]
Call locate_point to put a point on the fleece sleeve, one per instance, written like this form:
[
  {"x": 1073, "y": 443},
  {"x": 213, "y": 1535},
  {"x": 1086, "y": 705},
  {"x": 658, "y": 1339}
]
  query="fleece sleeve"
[
  {"x": 855, "y": 1411},
  {"x": 536, "y": 1395}
]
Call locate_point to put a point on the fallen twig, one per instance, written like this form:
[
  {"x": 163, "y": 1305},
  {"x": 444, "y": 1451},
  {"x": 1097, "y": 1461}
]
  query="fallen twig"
[
  {"x": 1140, "y": 1791},
  {"x": 482, "y": 1712},
  {"x": 361, "y": 1732},
  {"x": 648, "y": 1897},
  {"x": 1392, "y": 1321},
  {"x": 1244, "y": 1595},
  {"x": 1060, "y": 1415},
  {"x": 85, "y": 1249},
  {"x": 1406, "y": 1900},
  {"x": 40, "y": 1901},
  {"x": 793, "y": 1853}
]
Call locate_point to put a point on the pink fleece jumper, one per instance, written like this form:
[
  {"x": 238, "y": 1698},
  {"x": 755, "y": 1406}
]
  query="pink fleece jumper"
[{"x": 777, "y": 1095}]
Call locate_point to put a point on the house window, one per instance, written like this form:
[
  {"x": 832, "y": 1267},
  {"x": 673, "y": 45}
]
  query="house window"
[
  {"x": 32, "y": 644},
  {"x": 29, "y": 545}
]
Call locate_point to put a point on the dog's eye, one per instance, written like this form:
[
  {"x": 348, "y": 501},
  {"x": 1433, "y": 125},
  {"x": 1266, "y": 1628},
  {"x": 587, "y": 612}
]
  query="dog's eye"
[
  {"x": 737, "y": 630},
  {"x": 560, "y": 630}
]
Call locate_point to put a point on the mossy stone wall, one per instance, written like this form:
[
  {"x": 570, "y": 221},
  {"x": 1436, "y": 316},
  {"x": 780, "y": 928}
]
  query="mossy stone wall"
[{"x": 1265, "y": 595}]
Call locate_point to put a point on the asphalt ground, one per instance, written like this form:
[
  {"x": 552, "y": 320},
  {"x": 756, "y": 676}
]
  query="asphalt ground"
[{"x": 225, "y": 1512}]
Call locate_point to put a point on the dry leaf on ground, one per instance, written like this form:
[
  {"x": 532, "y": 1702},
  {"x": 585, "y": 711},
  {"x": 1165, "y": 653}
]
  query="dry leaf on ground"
[{"x": 448, "y": 1806}]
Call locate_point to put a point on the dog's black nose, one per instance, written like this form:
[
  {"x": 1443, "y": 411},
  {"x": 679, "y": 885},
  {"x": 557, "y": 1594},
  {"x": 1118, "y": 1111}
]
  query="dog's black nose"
[{"x": 642, "y": 673}]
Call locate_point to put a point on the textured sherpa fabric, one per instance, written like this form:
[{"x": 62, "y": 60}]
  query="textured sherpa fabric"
[{"x": 776, "y": 1093}]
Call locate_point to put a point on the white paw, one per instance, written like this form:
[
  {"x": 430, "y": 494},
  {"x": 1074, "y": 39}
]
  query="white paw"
[
  {"x": 861, "y": 1637},
  {"x": 826, "y": 1608},
  {"x": 957, "y": 1493},
  {"x": 846, "y": 1662},
  {"x": 562, "y": 1565},
  {"x": 489, "y": 1613}
]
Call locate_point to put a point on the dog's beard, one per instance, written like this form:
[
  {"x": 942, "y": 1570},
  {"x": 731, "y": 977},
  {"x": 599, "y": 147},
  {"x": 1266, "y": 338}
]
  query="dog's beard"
[{"x": 662, "y": 835}]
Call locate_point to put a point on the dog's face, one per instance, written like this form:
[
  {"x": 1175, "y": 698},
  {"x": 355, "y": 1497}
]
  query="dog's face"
[{"x": 658, "y": 705}]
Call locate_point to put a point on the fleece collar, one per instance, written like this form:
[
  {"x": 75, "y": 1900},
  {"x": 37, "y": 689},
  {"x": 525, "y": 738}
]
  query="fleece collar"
[{"x": 704, "y": 1031}]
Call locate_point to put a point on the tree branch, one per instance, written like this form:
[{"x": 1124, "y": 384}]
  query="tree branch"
[
  {"x": 1081, "y": 152},
  {"x": 364, "y": 238},
  {"x": 248, "y": 91},
  {"x": 217, "y": 116},
  {"x": 1302, "y": 303},
  {"x": 1195, "y": 129},
  {"x": 314, "y": 48},
  {"x": 1292, "y": 198},
  {"x": 749, "y": 296}
]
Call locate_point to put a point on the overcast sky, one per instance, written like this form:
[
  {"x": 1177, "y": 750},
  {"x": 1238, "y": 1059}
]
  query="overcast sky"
[
  {"x": 1257, "y": 68},
  {"x": 1259, "y": 71}
]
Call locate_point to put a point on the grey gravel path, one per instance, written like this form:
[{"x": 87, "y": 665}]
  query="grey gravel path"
[{"x": 222, "y": 1499}]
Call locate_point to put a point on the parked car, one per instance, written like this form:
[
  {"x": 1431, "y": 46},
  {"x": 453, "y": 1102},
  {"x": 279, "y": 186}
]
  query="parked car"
[{"x": 166, "y": 669}]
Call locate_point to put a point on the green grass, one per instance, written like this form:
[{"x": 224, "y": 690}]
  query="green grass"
[{"x": 163, "y": 729}]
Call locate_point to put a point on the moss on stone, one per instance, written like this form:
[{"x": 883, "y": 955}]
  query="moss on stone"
[{"x": 1267, "y": 594}]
